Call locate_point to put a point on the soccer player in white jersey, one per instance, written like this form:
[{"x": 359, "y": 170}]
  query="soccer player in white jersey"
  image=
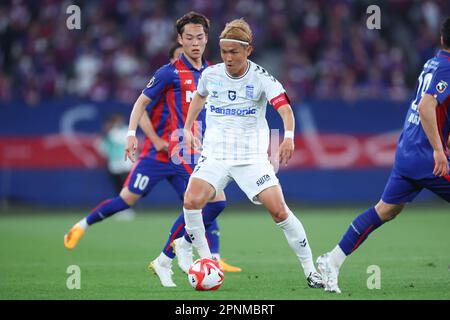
[{"x": 235, "y": 94}]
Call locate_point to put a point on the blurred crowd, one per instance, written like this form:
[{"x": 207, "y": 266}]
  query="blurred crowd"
[{"x": 318, "y": 49}]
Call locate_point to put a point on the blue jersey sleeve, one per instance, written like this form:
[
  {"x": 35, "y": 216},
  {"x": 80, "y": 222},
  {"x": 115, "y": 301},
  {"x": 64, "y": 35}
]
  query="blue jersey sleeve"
[
  {"x": 160, "y": 81},
  {"x": 439, "y": 86}
]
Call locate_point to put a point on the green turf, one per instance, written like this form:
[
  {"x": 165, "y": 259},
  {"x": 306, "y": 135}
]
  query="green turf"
[{"x": 412, "y": 251}]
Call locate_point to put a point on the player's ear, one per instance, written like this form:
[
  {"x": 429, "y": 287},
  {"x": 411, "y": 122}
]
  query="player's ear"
[
  {"x": 180, "y": 40},
  {"x": 249, "y": 50},
  {"x": 442, "y": 41}
]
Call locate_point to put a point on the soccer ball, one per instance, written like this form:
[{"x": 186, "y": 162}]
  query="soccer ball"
[{"x": 205, "y": 274}]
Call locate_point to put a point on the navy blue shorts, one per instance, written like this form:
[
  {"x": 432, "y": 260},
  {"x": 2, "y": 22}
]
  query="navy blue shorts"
[
  {"x": 400, "y": 189},
  {"x": 147, "y": 173}
]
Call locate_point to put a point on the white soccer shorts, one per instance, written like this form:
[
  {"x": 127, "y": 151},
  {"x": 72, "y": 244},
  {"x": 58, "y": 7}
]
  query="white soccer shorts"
[{"x": 252, "y": 179}]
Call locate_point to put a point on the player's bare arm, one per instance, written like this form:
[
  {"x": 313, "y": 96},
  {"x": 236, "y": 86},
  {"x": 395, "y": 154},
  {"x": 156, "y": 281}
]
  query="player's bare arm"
[
  {"x": 427, "y": 111},
  {"x": 287, "y": 146},
  {"x": 147, "y": 127},
  {"x": 195, "y": 107},
  {"x": 136, "y": 114}
]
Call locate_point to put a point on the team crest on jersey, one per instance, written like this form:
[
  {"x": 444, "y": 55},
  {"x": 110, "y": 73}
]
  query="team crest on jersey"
[
  {"x": 441, "y": 86},
  {"x": 249, "y": 91},
  {"x": 232, "y": 95},
  {"x": 151, "y": 82}
]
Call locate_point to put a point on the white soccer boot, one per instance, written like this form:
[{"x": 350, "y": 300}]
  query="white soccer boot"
[
  {"x": 315, "y": 280},
  {"x": 183, "y": 250},
  {"x": 329, "y": 273},
  {"x": 164, "y": 273}
]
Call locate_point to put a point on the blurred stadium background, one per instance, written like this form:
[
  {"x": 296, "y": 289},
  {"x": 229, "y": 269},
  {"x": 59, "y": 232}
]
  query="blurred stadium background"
[{"x": 350, "y": 87}]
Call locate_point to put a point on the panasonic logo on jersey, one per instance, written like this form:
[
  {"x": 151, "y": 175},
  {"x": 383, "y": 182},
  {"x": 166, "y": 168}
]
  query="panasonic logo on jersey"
[{"x": 233, "y": 111}]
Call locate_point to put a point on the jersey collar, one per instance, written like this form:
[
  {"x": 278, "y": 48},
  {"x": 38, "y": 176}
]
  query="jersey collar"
[
  {"x": 444, "y": 53},
  {"x": 190, "y": 66},
  {"x": 240, "y": 77}
]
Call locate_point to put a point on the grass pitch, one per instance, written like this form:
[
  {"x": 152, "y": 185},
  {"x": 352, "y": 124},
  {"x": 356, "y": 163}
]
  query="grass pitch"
[{"x": 412, "y": 252}]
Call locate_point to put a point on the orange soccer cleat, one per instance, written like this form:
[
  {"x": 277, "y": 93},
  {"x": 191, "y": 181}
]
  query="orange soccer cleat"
[
  {"x": 73, "y": 236},
  {"x": 228, "y": 268}
]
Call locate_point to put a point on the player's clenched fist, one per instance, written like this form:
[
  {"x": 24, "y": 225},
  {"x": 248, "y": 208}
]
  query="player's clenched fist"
[
  {"x": 440, "y": 164},
  {"x": 131, "y": 148},
  {"x": 286, "y": 150}
]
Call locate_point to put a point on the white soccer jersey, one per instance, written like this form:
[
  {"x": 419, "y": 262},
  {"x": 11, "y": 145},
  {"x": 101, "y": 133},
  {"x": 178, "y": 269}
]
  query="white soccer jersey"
[{"x": 236, "y": 126}]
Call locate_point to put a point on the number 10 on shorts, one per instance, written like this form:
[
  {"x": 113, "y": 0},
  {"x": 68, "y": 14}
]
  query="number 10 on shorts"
[{"x": 141, "y": 182}]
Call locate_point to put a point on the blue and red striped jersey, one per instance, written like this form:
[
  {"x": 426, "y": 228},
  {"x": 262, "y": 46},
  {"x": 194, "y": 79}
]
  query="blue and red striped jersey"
[
  {"x": 414, "y": 156},
  {"x": 175, "y": 84},
  {"x": 159, "y": 117}
]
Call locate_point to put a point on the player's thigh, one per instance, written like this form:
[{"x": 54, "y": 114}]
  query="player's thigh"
[
  {"x": 198, "y": 193},
  {"x": 439, "y": 186},
  {"x": 215, "y": 173},
  {"x": 254, "y": 178}
]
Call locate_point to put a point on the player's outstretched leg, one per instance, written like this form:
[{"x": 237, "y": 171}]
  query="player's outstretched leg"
[
  {"x": 210, "y": 213},
  {"x": 358, "y": 231},
  {"x": 194, "y": 224},
  {"x": 183, "y": 245},
  {"x": 180, "y": 245},
  {"x": 174, "y": 247},
  {"x": 197, "y": 195},
  {"x": 104, "y": 210},
  {"x": 272, "y": 198}
]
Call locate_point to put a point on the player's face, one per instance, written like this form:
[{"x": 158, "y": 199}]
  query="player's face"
[
  {"x": 234, "y": 55},
  {"x": 193, "y": 40}
]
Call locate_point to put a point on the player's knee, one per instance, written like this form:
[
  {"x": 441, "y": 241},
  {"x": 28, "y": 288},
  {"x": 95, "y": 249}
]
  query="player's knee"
[
  {"x": 387, "y": 211},
  {"x": 129, "y": 197},
  {"x": 279, "y": 213},
  {"x": 193, "y": 201}
]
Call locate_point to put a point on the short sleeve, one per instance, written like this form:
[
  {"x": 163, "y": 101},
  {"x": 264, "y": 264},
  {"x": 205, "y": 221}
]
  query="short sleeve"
[
  {"x": 439, "y": 85},
  {"x": 274, "y": 91},
  {"x": 159, "y": 82},
  {"x": 201, "y": 86}
]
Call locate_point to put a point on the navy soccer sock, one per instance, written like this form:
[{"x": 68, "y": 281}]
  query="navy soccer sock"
[
  {"x": 176, "y": 231},
  {"x": 106, "y": 209},
  {"x": 210, "y": 212},
  {"x": 213, "y": 236},
  {"x": 359, "y": 230}
]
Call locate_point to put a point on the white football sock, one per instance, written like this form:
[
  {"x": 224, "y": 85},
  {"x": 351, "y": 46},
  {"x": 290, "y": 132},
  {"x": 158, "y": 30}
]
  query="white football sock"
[
  {"x": 196, "y": 231},
  {"x": 296, "y": 237},
  {"x": 216, "y": 256},
  {"x": 83, "y": 224},
  {"x": 164, "y": 260},
  {"x": 337, "y": 256}
]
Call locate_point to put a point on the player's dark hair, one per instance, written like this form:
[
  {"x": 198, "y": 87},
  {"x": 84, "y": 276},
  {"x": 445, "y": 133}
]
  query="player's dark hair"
[
  {"x": 194, "y": 18},
  {"x": 173, "y": 48},
  {"x": 445, "y": 32}
]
